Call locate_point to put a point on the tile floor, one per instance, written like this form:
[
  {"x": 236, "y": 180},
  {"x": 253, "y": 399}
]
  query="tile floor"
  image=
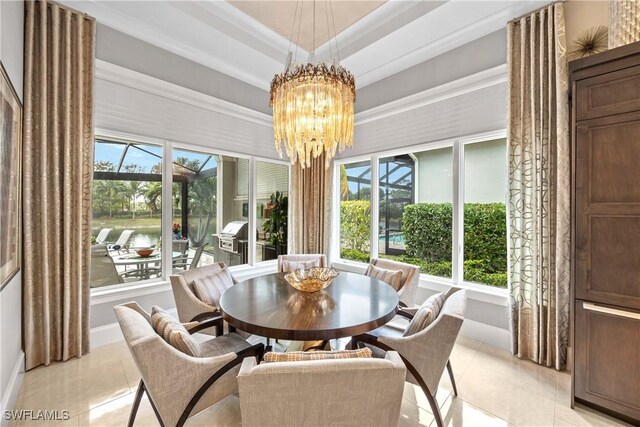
[{"x": 495, "y": 389}]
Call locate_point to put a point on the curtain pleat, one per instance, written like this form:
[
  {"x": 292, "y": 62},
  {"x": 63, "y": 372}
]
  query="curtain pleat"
[
  {"x": 311, "y": 208},
  {"x": 58, "y": 164},
  {"x": 539, "y": 186}
]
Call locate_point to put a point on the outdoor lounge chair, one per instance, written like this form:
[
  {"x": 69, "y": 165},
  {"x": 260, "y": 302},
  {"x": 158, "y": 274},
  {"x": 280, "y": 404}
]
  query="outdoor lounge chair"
[
  {"x": 122, "y": 244},
  {"x": 102, "y": 235}
]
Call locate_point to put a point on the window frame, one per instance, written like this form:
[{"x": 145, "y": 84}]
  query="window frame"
[
  {"x": 457, "y": 257},
  {"x": 168, "y": 146}
]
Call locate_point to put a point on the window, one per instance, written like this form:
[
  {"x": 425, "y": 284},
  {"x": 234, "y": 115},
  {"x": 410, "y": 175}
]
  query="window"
[
  {"x": 355, "y": 210},
  {"x": 485, "y": 218},
  {"x": 233, "y": 208},
  {"x": 207, "y": 210},
  {"x": 194, "y": 208},
  {"x": 441, "y": 208},
  {"x": 416, "y": 217},
  {"x": 272, "y": 209},
  {"x": 127, "y": 213}
]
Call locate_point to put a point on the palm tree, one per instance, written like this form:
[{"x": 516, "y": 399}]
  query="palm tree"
[
  {"x": 111, "y": 190},
  {"x": 133, "y": 189},
  {"x": 152, "y": 194},
  {"x": 344, "y": 184}
]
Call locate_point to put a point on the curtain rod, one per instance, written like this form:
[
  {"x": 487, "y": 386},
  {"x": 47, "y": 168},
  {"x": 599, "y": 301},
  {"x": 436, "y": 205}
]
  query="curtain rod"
[{"x": 535, "y": 11}]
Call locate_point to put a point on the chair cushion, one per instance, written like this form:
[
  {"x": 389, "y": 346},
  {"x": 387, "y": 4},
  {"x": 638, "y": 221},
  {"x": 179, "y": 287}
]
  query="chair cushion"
[
  {"x": 229, "y": 343},
  {"x": 210, "y": 288},
  {"x": 288, "y": 266},
  {"x": 426, "y": 314},
  {"x": 392, "y": 277},
  {"x": 172, "y": 331},
  {"x": 301, "y": 356}
]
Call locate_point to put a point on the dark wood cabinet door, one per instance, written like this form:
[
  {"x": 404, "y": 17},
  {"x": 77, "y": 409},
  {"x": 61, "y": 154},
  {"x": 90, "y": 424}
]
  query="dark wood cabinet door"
[
  {"x": 607, "y": 203},
  {"x": 608, "y": 94},
  {"x": 607, "y": 362}
]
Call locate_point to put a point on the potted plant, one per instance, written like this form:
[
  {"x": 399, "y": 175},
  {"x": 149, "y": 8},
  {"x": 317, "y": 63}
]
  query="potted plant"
[{"x": 276, "y": 224}]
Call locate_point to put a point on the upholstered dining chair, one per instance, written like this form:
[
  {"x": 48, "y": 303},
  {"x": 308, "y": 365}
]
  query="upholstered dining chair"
[
  {"x": 287, "y": 263},
  {"x": 179, "y": 385},
  {"x": 190, "y": 307},
  {"x": 409, "y": 279},
  {"x": 336, "y": 392},
  {"x": 425, "y": 351}
]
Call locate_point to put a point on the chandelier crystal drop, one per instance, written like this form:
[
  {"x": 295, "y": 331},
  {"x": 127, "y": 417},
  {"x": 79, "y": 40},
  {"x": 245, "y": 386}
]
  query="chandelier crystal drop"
[{"x": 313, "y": 110}]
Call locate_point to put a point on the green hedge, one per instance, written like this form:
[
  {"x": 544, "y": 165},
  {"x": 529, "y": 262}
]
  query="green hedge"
[
  {"x": 427, "y": 229},
  {"x": 355, "y": 225}
]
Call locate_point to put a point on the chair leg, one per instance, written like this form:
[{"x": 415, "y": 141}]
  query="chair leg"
[
  {"x": 352, "y": 345},
  {"x": 434, "y": 407},
  {"x": 453, "y": 380},
  {"x": 136, "y": 404}
]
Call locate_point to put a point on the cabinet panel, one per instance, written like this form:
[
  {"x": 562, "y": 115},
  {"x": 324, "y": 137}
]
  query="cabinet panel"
[
  {"x": 608, "y": 94},
  {"x": 607, "y": 203},
  {"x": 607, "y": 365}
]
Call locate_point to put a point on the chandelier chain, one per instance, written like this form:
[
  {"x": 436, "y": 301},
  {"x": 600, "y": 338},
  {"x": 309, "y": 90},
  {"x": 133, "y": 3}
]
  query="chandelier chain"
[
  {"x": 326, "y": 14},
  {"x": 335, "y": 34}
]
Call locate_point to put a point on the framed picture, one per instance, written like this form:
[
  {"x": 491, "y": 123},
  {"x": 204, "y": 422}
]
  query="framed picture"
[{"x": 10, "y": 179}]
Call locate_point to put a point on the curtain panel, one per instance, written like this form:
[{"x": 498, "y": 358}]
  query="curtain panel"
[
  {"x": 57, "y": 177},
  {"x": 311, "y": 208},
  {"x": 539, "y": 186}
]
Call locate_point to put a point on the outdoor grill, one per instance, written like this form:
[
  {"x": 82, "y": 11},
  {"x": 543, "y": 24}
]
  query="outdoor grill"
[{"x": 231, "y": 234}]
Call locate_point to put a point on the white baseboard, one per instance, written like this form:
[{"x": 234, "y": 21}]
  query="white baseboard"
[
  {"x": 10, "y": 394},
  {"x": 108, "y": 334},
  {"x": 488, "y": 334}
]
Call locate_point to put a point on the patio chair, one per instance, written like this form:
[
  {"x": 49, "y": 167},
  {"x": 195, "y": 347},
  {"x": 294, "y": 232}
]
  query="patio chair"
[
  {"x": 180, "y": 246},
  {"x": 425, "y": 352},
  {"x": 179, "y": 385},
  {"x": 329, "y": 392},
  {"x": 286, "y": 263},
  {"x": 186, "y": 263},
  {"x": 408, "y": 281},
  {"x": 122, "y": 244},
  {"x": 103, "y": 271},
  {"x": 102, "y": 235}
]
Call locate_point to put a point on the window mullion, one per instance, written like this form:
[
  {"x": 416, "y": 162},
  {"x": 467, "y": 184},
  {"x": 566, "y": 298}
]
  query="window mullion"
[
  {"x": 252, "y": 210},
  {"x": 375, "y": 206},
  {"x": 457, "y": 272},
  {"x": 167, "y": 210}
]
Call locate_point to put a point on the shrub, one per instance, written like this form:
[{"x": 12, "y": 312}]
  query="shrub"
[
  {"x": 426, "y": 228},
  {"x": 354, "y": 255},
  {"x": 485, "y": 235},
  {"x": 355, "y": 225}
]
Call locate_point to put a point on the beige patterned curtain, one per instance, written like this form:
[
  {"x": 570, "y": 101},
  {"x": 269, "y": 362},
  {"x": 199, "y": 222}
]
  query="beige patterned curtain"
[
  {"x": 58, "y": 165},
  {"x": 539, "y": 186},
  {"x": 310, "y": 223}
]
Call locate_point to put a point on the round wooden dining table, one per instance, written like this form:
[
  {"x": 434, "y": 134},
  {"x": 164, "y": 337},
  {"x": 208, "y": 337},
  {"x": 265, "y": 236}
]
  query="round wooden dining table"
[{"x": 268, "y": 306}]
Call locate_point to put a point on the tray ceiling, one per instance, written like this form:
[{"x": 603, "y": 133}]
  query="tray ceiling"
[{"x": 249, "y": 39}]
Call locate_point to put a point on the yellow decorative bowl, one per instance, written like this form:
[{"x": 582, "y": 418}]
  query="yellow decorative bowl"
[{"x": 311, "y": 279}]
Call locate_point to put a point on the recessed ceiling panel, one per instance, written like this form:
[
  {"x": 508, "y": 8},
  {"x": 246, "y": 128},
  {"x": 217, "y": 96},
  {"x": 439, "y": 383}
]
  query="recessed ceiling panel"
[{"x": 279, "y": 16}]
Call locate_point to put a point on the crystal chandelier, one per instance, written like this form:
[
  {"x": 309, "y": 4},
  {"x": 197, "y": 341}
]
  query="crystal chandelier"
[{"x": 313, "y": 104}]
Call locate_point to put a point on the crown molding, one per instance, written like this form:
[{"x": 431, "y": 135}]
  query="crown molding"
[
  {"x": 111, "y": 17},
  {"x": 491, "y": 77},
  {"x": 368, "y": 71},
  {"x": 124, "y": 76},
  {"x": 367, "y": 24}
]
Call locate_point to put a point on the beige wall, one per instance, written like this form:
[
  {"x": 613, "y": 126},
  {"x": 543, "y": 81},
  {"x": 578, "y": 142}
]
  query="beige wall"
[{"x": 581, "y": 15}]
